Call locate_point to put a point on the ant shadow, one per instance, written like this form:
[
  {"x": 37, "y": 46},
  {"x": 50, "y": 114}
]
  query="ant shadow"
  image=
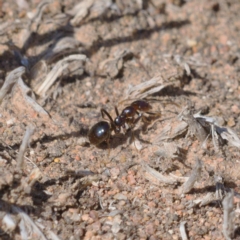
[
  {"x": 121, "y": 139},
  {"x": 114, "y": 142},
  {"x": 171, "y": 91}
]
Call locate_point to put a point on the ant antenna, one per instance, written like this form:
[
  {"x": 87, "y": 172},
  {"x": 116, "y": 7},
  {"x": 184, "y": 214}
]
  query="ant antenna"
[
  {"x": 116, "y": 111},
  {"x": 103, "y": 111}
]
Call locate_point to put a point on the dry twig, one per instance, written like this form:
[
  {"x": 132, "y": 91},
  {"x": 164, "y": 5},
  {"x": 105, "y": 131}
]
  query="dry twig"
[
  {"x": 91, "y": 8},
  {"x": 201, "y": 126},
  {"x": 57, "y": 71},
  {"x": 157, "y": 178},
  {"x": 26, "y": 139},
  {"x": 37, "y": 17},
  {"x": 228, "y": 216},
  {"x": 171, "y": 131},
  {"x": 188, "y": 185},
  {"x": 210, "y": 197},
  {"x": 155, "y": 85},
  {"x": 10, "y": 81},
  {"x": 183, "y": 231},
  {"x": 65, "y": 46},
  {"x": 27, "y": 227}
]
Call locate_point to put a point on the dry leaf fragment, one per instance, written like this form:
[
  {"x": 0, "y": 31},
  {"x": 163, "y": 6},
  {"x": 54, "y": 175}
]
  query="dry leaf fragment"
[
  {"x": 37, "y": 16},
  {"x": 10, "y": 81},
  {"x": 90, "y": 9},
  {"x": 26, "y": 139},
  {"x": 24, "y": 96},
  {"x": 188, "y": 185},
  {"x": 169, "y": 150},
  {"x": 228, "y": 216},
  {"x": 63, "y": 47},
  {"x": 27, "y": 227},
  {"x": 80, "y": 11},
  {"x": 210, "y": 197},
  {"x": 171, "y": 131},
  {"x": 194, "y": 126},
  {"x": 154, "y": 85},
  {"x": 156, "y": 177},
  {"x": 58, "y": 70},
  {"x": 112, "y": 66},
  {"x": 183, "y": 230},
  {"x": 216, "y": 130},
  {"x": 229, "y": 135},
  {"x": 9, "y": 223},
  {"x": 38, "y": 72}
]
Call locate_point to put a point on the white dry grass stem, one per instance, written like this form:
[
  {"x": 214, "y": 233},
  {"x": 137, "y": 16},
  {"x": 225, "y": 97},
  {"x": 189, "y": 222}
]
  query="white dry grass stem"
[
  {"x": 171, "y": 131},
  {"x": 26, "y": 139},
  {"x": 183, "y": 230},
  {"x": 80, "y": 11},
  {"x": 188, "y": 185},
  {"x": 32, "y": 178},
  {"x": 10, "y": 81},
  {"x": 203, "y": 126},
  {"x": 64, "y": 47},
  {"x": 88, "y": 9},
  {"x": 210, "y": 197},
  {"x": 29, "y": 97},
  {"x": 229, "y": 135},
  {"x": 57, "y": 71},
  {"x": 9, "y": 222},
  {"x": 51, "y": 235},
  {"x": 157, "y": 178},
  {"x": 145, "y": 89},
  {"x": 38, "y": 72},
  {"x": 170, "y": 77},
  {"x": 228, "y": 216},
  {"x": 28, "y": 229},
  {"x": 216, "y": 130},
  {"x": 37, "y": 17}
]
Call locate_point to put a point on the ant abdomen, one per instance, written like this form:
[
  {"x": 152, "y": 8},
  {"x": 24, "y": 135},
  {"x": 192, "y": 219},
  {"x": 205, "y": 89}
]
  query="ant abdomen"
[
  {"x": 99, "y": 133},
  {"x": 128, "y": 112}
]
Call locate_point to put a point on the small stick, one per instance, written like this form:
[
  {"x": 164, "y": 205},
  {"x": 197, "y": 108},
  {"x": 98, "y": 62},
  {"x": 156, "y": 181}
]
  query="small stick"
[
  {"x": 29, "y": 132},
  {"x": 228, "y": 216},
  {"x": 188, "y": 185},
  {"x": 10, "y": 81},
  {"x": 183, "y": 231}
]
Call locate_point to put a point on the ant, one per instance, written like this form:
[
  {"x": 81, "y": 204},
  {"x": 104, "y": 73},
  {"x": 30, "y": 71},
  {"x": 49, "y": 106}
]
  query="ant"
[
  {"x": 101, "y": 131},
  {"x": 128, "y": 114}
]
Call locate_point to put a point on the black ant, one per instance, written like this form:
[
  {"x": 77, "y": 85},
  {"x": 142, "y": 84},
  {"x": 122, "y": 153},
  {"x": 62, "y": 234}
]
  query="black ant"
[{"x": 101, "y": 131}]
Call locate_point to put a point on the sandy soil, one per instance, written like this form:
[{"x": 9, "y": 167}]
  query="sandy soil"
[{"x": 61, "y": 62}]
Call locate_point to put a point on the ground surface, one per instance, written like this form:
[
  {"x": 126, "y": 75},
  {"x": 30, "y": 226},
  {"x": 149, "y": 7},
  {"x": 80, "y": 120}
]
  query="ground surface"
[{"x": 74, "y": 190}]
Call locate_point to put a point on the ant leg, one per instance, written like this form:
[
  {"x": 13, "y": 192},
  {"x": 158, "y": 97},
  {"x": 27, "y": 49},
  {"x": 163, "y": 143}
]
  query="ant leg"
[
  {"x": 152, "y": 116},
  {"x": 116, "y": 111},
  {"x": 108, "y": 144},
  {"x": 133, "y": 139},
  {"x": 140, "y": 115},
  {"x": 104, "y": 112},
  {"x": 150, "y": 120}
]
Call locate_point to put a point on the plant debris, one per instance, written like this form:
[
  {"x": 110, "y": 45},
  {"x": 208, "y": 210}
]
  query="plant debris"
[{"x": 174, "y": 174}]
